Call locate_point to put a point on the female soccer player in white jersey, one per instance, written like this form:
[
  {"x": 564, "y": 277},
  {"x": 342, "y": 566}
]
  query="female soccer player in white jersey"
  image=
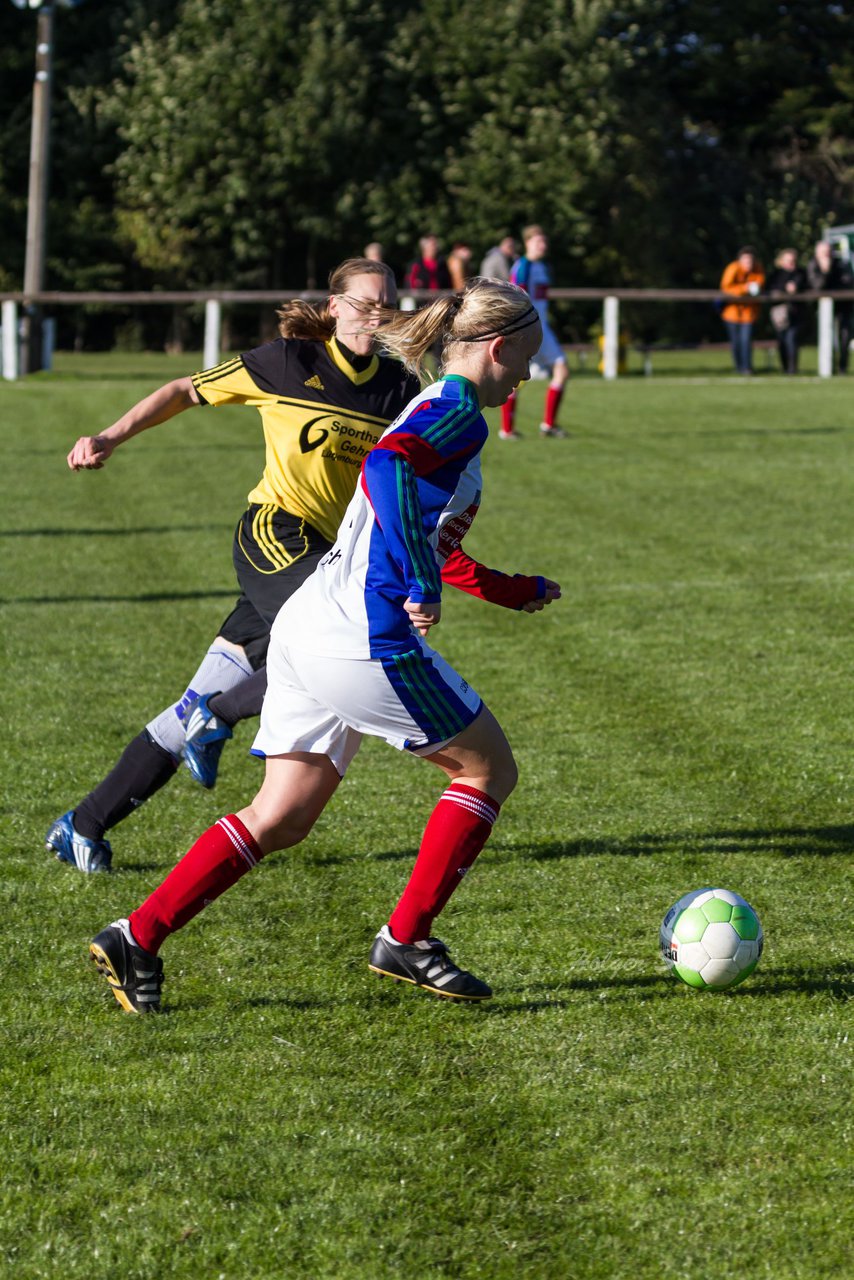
[{"x": 348, "y": 657}]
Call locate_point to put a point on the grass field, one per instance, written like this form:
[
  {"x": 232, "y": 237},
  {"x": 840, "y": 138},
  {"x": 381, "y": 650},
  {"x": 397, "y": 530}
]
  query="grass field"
[{"x": 682, "y": 717}]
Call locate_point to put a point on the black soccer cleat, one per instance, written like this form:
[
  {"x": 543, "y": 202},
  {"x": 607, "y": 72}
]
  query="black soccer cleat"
[
  {"x": 135, "y": 976},
  {"x": 424, "y": 964}
]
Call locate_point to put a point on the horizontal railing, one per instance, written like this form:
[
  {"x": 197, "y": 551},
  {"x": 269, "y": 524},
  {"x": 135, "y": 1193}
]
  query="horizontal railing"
[{"x": 215, "y": 299}]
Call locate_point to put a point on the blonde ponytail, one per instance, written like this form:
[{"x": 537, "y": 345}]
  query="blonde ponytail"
[{"x": 485, "y": 309}]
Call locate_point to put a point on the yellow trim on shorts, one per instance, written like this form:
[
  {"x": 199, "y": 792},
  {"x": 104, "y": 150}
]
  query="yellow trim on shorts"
[
  {"x": 262, "y": 531},
  {"x": 268, "y": 544}
]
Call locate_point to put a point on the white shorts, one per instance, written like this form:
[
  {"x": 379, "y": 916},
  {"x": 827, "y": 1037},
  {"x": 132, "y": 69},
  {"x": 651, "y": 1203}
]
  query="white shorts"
[{"x": 414, "y": 701}]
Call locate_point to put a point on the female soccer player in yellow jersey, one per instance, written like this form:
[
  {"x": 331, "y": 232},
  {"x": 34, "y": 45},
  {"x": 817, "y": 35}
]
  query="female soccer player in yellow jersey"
[{"x": 325, "y": 396}]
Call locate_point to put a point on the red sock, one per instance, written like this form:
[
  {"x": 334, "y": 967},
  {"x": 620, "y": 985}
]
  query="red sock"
[
  {"x": 458, "y": 829},
  {"x": 215, "y": 862},
  {"x": 508, "y": 411},
  {"x": 553, "y": 399}
]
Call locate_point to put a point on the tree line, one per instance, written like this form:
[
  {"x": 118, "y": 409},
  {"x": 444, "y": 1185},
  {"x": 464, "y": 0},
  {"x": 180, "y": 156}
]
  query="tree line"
[{"x": 239, "y": 144}]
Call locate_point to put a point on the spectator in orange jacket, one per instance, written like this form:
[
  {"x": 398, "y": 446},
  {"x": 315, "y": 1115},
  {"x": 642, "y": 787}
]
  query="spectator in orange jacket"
[{"x": 743, "y": 278}]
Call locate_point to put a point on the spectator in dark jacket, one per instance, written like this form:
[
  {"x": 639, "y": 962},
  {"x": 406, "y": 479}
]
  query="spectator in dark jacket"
[
  {"x": 499, "y": 259},
  {"x": 429, "y": 270},
  {"x": 787, "y": 317}
]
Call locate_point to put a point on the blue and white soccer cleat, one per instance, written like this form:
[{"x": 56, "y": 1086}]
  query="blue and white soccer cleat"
[
  {"x": 78, "y": 851},
  {"x": 206, "y": 737}
]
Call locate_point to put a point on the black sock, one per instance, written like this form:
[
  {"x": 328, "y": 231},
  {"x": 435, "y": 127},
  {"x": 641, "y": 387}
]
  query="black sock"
[
  {"x": 142, "y": 769},
  {"x": 243, "y": 701}
]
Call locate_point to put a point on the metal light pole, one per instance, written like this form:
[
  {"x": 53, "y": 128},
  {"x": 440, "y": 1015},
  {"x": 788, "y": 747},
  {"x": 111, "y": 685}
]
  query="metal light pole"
[{"x": 34, "y": 261}]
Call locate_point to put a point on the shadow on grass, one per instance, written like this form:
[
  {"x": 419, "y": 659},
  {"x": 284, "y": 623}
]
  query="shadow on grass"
[
  {"x": 152, "y": 597},
  {"x": 541, "y": 996},
  {"x": 300, "y": 1003},
  {"x": 787, "y": 842},
  {"x": 200, "y": 1004},
  {"x": 734, "y": 433},
  {"x": 346, "y": 860},
  {"x": 68, "y": 375},
  {"x": 143, "y": 868},
  {"x": 113, "y": 533},
  {"x": 834, "y": 980}
]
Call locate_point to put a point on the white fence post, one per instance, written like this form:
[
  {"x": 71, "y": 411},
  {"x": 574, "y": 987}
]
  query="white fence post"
[
  {"x": 825, "y": 337},
  {"x": 213, "y": 325},
  {"x": 10, "y": 341},
  {"x": 48, "y": 342},
  {"x": 611, "y": 334}
]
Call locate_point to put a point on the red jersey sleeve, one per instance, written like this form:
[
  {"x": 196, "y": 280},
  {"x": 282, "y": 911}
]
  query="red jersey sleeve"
[{"x": 460, "y": 570}]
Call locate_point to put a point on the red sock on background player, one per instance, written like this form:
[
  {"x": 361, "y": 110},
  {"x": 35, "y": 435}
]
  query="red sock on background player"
[
  {"x": 508, "y": 413},
  {"x": 554, "y": 395}
]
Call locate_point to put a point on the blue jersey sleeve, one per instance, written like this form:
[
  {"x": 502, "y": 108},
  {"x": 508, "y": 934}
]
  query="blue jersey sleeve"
[
  {"x": 411, "y": 473},
  {"x": 392, "y": 488}
]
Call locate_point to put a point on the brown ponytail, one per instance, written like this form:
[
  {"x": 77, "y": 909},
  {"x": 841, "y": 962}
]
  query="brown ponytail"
[{"x": 311, "y": 321}]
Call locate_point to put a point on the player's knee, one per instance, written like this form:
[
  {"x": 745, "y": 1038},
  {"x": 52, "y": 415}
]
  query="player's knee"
[
  {"x": 167, "y": 730},
  {"x": 504, "y": 775},
  {"x": 499, "y": 772},
  {"x": 286, "y": 834},
  {"x": 274, "y": 831},
  {"x": 221, "y": 643}
]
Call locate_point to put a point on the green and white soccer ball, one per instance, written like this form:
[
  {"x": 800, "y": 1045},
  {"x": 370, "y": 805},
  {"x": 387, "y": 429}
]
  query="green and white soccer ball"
[{"x": 711, "y": 938}]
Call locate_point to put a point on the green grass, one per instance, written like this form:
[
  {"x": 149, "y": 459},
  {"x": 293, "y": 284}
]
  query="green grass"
[{"x": 682, "y": 717}]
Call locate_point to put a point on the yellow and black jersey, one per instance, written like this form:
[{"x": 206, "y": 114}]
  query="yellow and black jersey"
[{"x": 321, "y": 418}]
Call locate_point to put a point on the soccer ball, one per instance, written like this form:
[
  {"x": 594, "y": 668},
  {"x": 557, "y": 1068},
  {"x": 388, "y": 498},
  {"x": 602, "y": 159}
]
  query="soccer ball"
[{"x": 711, "y": 938}]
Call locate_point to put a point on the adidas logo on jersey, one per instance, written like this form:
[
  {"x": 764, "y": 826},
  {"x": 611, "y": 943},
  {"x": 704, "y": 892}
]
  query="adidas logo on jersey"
[{"x": 314, "y": 382}]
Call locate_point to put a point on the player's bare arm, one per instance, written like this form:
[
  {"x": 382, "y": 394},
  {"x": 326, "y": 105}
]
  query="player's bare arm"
[
  {"x": 91, "y": 452},
  {"x": 552, "y": 593}
]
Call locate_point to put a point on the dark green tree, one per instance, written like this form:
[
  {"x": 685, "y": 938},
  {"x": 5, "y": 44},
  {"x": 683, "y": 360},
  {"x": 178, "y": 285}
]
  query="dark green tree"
[
  {"x": 84, "y": 250},
  {"x": 238, "y": 143}
]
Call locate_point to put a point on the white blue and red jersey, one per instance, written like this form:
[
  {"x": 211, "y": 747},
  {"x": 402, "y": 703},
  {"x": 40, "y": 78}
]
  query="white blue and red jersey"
[{"x": 418, "y": 494}]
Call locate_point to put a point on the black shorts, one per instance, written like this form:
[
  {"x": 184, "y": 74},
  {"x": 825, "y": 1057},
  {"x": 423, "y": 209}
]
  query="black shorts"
[{"x": 273, "y": 554}]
